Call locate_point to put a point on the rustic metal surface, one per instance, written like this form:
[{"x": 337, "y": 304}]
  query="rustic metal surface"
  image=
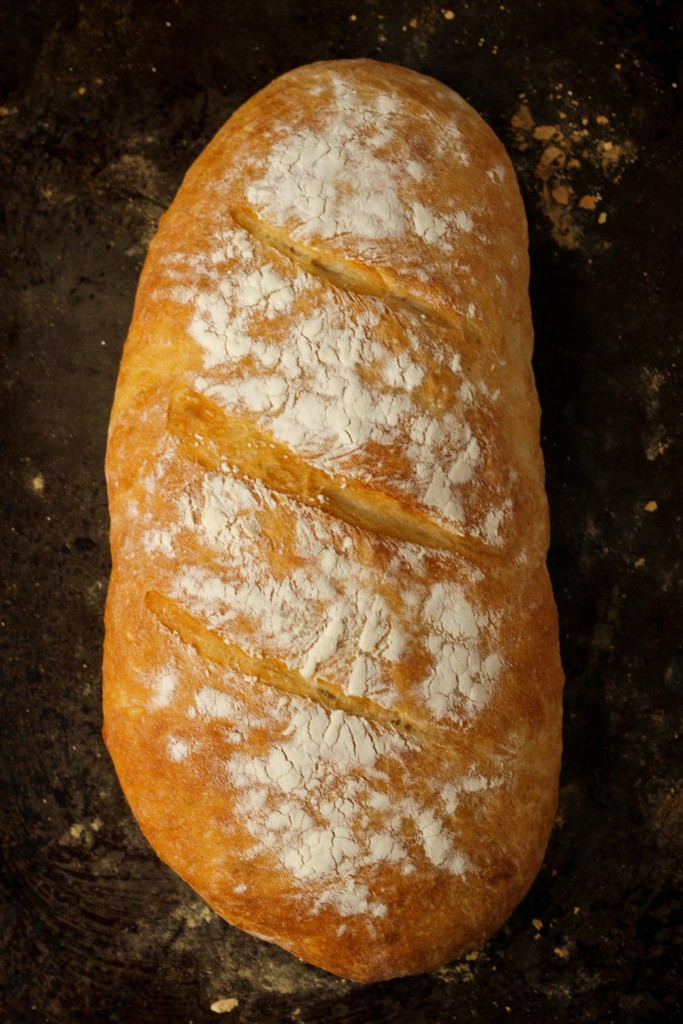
[{"x": 102, "y": 108}]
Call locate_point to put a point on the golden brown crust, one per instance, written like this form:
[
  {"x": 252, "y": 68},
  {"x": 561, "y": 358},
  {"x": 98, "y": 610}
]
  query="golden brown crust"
[{"x": 332, "y": 687}]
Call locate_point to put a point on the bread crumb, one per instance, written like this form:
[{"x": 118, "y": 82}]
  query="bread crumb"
[
  {"x": 523, "y": 119},
  {"x": 610, "y": 154},
  {"x": 651, "y": 506},
  {"x": 562, "y": 952},
  {"x": 537, "y": 923},
  {"x": 448, "y": 15},
  {"x": 38, "y": 483},
  {"x": 638, "y": 564},
  {"x": 562, "y": 146},
  {"x": 656, "y": 449},
  {"x": 81, "y": 833},
  {"x": 544, "y": 131},
  {"x": 224, "y": 1005},
  {"x": 551, "y": 155}
]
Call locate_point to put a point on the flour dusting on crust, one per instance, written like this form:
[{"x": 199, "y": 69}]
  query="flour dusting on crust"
[
  {"x": 338, "y": 378},
  {"x": 332, "y": 617}
]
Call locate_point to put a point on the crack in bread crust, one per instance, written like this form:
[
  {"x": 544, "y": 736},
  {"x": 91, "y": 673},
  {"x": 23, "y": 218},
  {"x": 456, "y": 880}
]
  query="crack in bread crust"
[
  {"x": 359, "y": 279},
  {"x": 219, "y": 441},
  {"x": 272, "y": 672}
]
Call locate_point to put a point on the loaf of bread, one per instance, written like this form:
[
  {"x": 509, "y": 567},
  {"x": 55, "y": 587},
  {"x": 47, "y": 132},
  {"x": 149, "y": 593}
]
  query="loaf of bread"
[{"x": 332, "y": 686}]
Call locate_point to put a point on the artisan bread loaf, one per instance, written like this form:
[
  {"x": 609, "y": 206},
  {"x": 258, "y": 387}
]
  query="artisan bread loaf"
[{"x": 332, "y": 687}]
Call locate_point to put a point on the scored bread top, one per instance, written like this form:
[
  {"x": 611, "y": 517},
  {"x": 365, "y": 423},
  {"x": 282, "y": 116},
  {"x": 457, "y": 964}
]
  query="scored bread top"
[{"x": 332, "y": 681}]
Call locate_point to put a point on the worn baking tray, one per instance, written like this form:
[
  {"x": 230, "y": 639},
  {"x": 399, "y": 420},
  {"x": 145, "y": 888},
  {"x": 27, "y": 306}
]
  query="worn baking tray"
[{"x": 103, "y": 107}]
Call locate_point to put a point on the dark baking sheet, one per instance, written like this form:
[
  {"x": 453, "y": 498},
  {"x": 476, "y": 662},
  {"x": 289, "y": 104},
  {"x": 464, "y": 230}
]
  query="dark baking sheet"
[{"x": 103, "y": 107}]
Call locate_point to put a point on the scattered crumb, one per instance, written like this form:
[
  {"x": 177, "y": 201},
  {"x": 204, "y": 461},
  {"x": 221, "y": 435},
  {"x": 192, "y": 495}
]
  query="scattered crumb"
[
  {"x": 457, "y": 972},
  {"x": 193, "y": 914},
  {"x": 656, "y": 448},
  {"x": 224, "y": 1005},
  {"x": 610, "y": 154},
  {"x": 562, "y": 952},
  {"x": 352, "y": 17},
  {"x": 537, "y": 923},
  {"x": 448, "y": 15},
  {"x": 544, "y": 132},
  {"x": 552, "y": 155},
  {"x": 81, "y": 833},
  {"x": 651, "y": 506},
  {"x": 638, "y": 564},
  {"x": 523, "y": 120},
  {"x": 38, "y": 483},
  {"x": 654, "y": 379},
  {"x": 473, "y": 955},
  {"x": 577, "y": 910},
  {"x": 413, "y": 22},
  {"x": 665, "y": 806},
  {"x": 571, "y": 142}
]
